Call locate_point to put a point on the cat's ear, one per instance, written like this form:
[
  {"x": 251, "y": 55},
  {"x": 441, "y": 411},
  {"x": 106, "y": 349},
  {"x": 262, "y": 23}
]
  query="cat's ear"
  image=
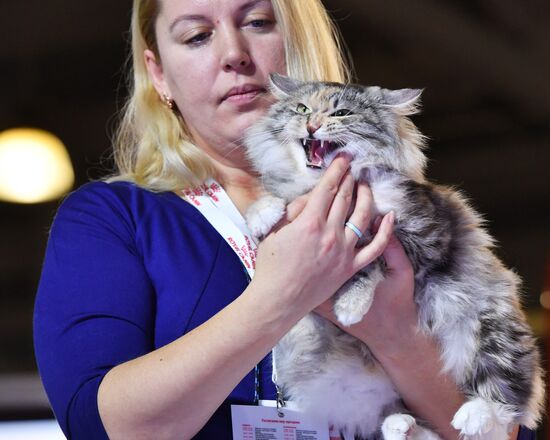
[
  {"x": 281, "y": 86},
  {"x": 403, "y": 101}
]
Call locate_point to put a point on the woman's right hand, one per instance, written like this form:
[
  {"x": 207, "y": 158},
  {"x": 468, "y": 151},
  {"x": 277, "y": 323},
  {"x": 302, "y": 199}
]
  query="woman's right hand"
[{"x": 312, "y": 254}]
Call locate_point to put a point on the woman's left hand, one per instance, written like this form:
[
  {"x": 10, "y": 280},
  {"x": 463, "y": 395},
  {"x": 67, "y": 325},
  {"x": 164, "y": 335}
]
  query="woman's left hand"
[
  {"x": 391, "y": 321},
  {"x": 409, "y": 356}
]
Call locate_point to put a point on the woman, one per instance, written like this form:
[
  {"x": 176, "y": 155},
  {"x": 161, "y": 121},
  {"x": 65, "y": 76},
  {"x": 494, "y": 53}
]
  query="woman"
[{"x": 145, "y": 326}]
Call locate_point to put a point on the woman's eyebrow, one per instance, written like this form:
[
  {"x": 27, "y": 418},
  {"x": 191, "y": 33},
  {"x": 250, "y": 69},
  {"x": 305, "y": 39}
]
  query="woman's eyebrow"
[
  {"x": 251, "y": 4},
  {"x": 198, "y": 17},
  {"x": 186, "y": 17}
]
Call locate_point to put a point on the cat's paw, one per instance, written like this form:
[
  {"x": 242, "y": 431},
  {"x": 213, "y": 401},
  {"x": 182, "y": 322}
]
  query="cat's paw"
[
  {"x": 353, "y": 299},
  {"x": 347, "y": 317},
  {"x": 264, "y": 214},
  {"x": 350, "y": 308},
  {"x": 398, "y": 426},
  {"x": 479, "y": 418}
]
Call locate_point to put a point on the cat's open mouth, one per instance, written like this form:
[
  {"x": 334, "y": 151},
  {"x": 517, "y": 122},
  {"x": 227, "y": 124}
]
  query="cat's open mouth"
[{"x": 316, "y": 151}]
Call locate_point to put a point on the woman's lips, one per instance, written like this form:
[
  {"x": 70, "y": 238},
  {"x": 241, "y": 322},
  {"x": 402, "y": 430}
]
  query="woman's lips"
[
  {"x": 244, "y": 97},
  {"x": 243, "y": 94}
]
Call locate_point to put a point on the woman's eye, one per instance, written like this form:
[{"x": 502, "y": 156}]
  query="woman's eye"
[
  {"x": 198, "y": 39},
  {"x": 302, "y": 109},
  {"x": 259, "y": 23},
  {"x": 342, "y": 112}
]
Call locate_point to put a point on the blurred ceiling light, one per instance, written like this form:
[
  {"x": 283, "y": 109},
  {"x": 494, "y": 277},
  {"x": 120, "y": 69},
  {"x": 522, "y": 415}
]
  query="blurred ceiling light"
[{"x": 34, "y": 166}]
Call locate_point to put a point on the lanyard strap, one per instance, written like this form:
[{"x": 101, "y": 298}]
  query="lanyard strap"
[
  {"x": 216, "y": 206},
  {"x": 280, "y": 399},
  {"x": 220, "y": 211}
]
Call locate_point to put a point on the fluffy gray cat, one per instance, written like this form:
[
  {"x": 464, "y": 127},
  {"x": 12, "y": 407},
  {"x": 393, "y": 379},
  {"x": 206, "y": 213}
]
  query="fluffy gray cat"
[{"x": 467, "y": 300}]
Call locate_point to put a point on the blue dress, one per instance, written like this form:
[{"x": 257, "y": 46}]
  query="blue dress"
[{"x": 128, "y": 271}]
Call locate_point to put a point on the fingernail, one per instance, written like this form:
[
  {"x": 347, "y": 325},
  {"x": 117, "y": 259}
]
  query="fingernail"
[{"x": 391, "y": 216}]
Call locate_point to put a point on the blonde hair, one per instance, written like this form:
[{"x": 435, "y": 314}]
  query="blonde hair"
[{"x": 153, "y": 147}]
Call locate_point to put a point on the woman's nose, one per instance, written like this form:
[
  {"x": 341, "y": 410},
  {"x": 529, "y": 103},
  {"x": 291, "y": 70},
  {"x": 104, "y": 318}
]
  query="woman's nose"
[{"x": 235, "y": 54}]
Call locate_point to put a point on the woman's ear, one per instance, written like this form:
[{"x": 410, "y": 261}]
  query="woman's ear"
[{"x": 156, "y": 74}]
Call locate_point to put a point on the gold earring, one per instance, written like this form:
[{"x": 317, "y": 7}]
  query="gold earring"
[{"x": 168, "y": 101}]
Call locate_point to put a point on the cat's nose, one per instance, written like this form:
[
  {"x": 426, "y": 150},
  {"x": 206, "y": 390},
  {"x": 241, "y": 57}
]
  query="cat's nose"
[{"x": 312, "y": 128}]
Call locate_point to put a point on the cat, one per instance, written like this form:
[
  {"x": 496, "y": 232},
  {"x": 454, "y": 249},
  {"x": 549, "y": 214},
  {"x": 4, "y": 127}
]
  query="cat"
[{"x": 466, "y": 299}]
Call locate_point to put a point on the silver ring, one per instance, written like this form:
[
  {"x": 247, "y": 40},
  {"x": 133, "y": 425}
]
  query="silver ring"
[{"x": 354, "y": 229}]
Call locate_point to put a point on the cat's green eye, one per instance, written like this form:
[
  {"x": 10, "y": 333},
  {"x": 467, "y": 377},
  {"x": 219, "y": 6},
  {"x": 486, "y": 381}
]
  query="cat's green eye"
[
  {"x": 302, "y": 109},
  {"x": 342, "y": 112}
]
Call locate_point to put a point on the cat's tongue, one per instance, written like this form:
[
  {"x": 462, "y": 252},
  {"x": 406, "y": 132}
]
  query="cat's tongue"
[{"x": 317, "y": 152}]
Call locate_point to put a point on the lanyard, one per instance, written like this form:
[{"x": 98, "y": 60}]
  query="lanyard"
[{"x": 216, "y": 206}]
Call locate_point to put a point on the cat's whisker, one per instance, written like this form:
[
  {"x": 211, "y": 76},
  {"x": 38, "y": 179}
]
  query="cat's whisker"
[
  {"x": 236, "y": 147},
  {"x": 239, "y": 143},
  {"x": 355, "y": 108},
  {"x": 344, "y": 89}
]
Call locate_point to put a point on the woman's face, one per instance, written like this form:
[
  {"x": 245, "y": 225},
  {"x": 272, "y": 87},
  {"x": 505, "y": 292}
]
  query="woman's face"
[{"x": 215, "y": 58}]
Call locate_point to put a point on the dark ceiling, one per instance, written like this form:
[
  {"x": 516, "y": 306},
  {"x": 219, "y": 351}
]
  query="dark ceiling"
[{"x": 484, "y": 65}]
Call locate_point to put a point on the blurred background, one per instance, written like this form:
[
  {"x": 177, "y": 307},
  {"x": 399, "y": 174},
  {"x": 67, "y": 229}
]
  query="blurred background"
[{"x": 484, "y": 65}]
